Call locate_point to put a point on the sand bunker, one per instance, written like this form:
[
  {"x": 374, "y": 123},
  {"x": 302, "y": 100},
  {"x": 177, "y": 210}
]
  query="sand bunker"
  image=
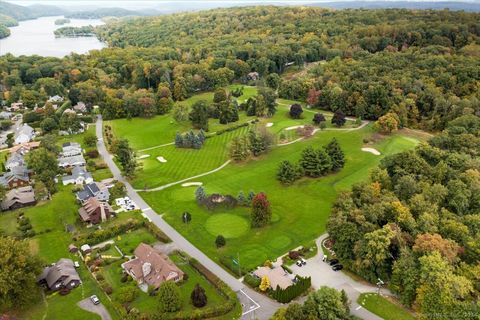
[
  {"x": 372, "y": 150},
  {"x": 189, "y": 184},
  {"x": 269, "y": 124},
  {"x": 143, "y": 156},
  {"x": 162, "y": 159},
  {"x": 293, "y": 128}
]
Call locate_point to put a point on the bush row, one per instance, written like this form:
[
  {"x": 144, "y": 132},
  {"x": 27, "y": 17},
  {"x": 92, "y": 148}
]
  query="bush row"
[
  {"x": 286, "y": 295},
  {"x": 101, "y": 235},
  {"x": 159, "y": 234}
]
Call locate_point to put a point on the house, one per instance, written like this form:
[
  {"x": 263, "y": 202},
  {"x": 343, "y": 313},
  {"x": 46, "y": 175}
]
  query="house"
[
  {"x": 5, "y": 115},
  {"x": 69, "y": 162},
  {"x": 16, "y": 177},
  {"x": 14, "y": 160},
  {"x": 68, "y": 110},
  {"x": 60, "y": 275},
  {"x": 78, "y": 176},
  {"x": 151, "y": 267},
  {"x": 72, "y": 248},
  {"x": 25, "y": 147},
  {"x": 16, "y": 106},
  {"x": 55, "y": 99},
  {"x": 94, "y": 211},
  {"x": 254, "y": 76},
  {"x": 18, "y": 198},
  {"x": 80, "y": 107},
  {"x": 277, "y": 276},
  {"x": 85, "y": 249},
  {"x": 24, "y": 134},
  {"x": 70, "y": 149},
  {"x": 94, "y": 189}
]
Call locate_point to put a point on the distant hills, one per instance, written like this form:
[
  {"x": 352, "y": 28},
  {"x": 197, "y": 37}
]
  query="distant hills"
[
  {"x": 102, "y": 13},
  {"x": 20, "y": 13},
  {"x": 436, "y": 5}
]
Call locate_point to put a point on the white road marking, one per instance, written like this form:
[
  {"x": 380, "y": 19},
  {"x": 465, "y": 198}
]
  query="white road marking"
[{"x": 252, "y": 308}]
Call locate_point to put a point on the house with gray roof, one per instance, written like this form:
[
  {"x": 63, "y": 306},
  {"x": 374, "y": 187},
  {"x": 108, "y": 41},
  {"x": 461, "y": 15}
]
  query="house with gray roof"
[
  {"x": 79, "y": 176},
  {"x": 70, "y": 149},
  {"x": 70, "y": 162},
  {"x": 18, "y": 198},
  {"x": 94, "y": 189},
  {"x": 60, "y": 275},
  {"x": 14, "y": 160},
  {"x": 5, "y": 115},
  {"x": 24, "y": 134}
]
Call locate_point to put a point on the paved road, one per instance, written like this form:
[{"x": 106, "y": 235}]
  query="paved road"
[
  {"x": 87, "y": 304},
  {"x": 255, "y": 304},
  {"x": 323, "y": 275}
]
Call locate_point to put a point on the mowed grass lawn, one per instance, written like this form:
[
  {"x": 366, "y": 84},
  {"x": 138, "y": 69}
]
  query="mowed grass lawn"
[
  {"x": 300, "y": 211},
  {"x": 49, "y": 219},
  {"x": 145, "y": 133},
  {"x": 382, "y": 307}
]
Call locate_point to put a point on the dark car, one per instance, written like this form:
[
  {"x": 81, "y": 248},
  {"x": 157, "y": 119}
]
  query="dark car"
[
  {"x": 333, "y": 262},
  {"x": 337, "y": 267}
]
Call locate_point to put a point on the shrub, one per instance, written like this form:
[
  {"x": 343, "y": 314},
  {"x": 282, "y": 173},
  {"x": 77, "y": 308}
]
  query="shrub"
[
  {"x": 294, "y": 255},
  {"x": 295, "y": 111},
  {"x": 220, "y": 241},
  {"x": 199, "y": 297},
  {"x": 293, "y": 291},
  {"x": 251, "y": 280},
  {"x": 99, "y": 277},
  {"x": 92, "y": 154},
  {"x": 169, "y": 297}
]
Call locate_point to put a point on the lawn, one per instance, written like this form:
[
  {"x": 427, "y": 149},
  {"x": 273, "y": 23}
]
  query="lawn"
[
  {"x": 145, "y": 133},
  {"x": 382, "y": 307},
  {"x": 149, "y": 304},
  {"x": 51, "y": 243},
  {"x": 300, "y": 211}
]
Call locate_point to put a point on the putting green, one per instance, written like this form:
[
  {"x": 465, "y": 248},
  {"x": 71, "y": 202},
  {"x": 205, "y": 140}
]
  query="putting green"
[{"x": 227, "y": 225}]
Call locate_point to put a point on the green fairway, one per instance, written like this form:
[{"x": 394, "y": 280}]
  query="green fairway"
[
  {"x": 300, "y": 211},
  {"x": 383, "y": 307}
]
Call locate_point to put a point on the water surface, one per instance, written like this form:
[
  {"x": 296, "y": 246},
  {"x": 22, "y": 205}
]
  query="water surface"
[{"x": 32, "y": 37}]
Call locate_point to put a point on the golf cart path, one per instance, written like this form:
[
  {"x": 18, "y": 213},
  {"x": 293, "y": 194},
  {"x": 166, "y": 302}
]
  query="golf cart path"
[
  {"x": 186, "y": 179},
  {"x": 87, "y": 304},
  {"x": 253, "y": 303},
  {"x": 323, "y": 275}
]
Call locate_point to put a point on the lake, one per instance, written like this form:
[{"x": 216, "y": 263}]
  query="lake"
[{"x": 32, "y": 37}]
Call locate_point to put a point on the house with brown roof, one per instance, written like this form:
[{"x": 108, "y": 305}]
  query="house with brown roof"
[
  {"x": 151, "y": 267},
  {"x": 16, "y": 177},
  {"x": 94, "y": 211},
  {"x": 18, "y": 198},
  {"x": 60, "y": 275},
  {"x": 25, "y": 148}
]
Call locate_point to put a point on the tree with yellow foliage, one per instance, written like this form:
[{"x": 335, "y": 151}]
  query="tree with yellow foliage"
[{"x": 265, "y": 284}]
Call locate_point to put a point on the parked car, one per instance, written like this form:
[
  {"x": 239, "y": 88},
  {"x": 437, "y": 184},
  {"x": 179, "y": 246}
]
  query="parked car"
[
  {"x": 333, "y": 262},
  {"x": 299, "y": 263},
  {"x": 76, "y": 264},
  {"x": 95, "y": 299},
  {"x": 337, "y": 267},
  {"x": 304, "y": 262}
]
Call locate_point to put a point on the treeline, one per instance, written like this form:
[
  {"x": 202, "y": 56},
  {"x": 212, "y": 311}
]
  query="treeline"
[
  {"x": 416, "y": 225},
  {"x": 85, "y": 31},
  {"x": 422, "y": 65},
  {"x": 4, "y": 31}
]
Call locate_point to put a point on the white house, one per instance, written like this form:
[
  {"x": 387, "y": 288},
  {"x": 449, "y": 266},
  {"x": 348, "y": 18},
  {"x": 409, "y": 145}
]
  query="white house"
[
  {"x": 71, "y": 149},
  {"x": 24, "y": 134},
  {"x": 69, "y": 162},
  {"x": 78, "y": 176}
]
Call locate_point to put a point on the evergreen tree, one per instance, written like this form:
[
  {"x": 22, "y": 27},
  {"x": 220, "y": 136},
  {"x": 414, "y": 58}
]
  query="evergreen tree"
[
  {"x": 198, "y": 296},
  {"x": 318, "y": 118},
  {"x": 336, "y": 154},
  {"x": 338, "y": 118},
  {"x": 250, "y": 197},
  {"x": 261, "y": 211},
  {"x": 199, "y": 115},
  {"x": 200, "y": 194},
  {"x": 201, "y": 136},
  {"x": 241, "y": 198},
  {"x": 220, "y": 241},
  {"x": 197, "y": 144},
  {"x": 169, "y": 297},
  {"x": 178, "y": 140},
  {"x": 257, "y": 144},
  {"x": 288, "y": 172},
  {"x": 315, "y": 162}
]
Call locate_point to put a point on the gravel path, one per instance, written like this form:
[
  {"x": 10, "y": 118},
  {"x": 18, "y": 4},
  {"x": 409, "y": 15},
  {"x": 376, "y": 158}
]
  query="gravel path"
[{"x": 87, "y": 304}]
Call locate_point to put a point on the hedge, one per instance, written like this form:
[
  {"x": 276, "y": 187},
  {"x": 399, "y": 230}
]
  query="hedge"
[
  {"x": 293, "y": 291},
  {"x": 252, "y": 281},
  {"x": 101, "y": 235},
  {"x": 227, "y": 262},
  {"x": 159, "y": 234},
  {"x": 210, "y": 311}
]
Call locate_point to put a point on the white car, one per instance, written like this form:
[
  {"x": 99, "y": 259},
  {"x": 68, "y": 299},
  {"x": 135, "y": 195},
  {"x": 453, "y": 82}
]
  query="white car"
[
  {"x": 95, "y": 299},
  {"x": 76, "y": 264}
]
